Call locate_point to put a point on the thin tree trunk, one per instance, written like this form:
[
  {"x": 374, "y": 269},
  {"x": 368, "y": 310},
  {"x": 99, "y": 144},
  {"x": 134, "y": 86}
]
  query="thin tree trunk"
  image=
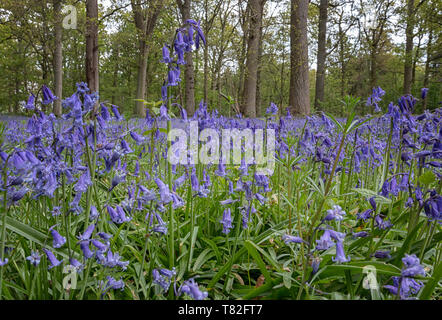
[
  {"x": 242, "y": 57},
  {"x": 299, "y": 96},
  {"x": 415, "y": 60},
  {"x": 281, "y": 92},
  {"x": 408, "y": 65},
  {"x": 320, "y": 61},
  {"x": 373, "y": 66},
  {"x": 258, "y": 74},
  {"x": 115, "y": 75},
  {"x": 92, "y": 45},
  {"x": 189, "y": 73},
  {"x": 145, "y": 19},
  {"x": 141, "y": 79},
  {"x": 251, "y": 70},
  {"x": 58, "y": 58},
  {"x": 427, "y": 65}
]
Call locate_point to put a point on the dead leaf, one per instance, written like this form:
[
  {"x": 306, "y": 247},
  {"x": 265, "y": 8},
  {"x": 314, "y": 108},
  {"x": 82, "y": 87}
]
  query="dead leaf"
[
  {"x": 237, "y": 276},
  {"x": 260, "y": 281}
]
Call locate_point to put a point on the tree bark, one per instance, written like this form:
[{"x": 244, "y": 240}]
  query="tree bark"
[
  {"x": 408, "y": 65},
  {"x": 299, "y": 96},
  {"x": 189, "y": 73},
  {"x": 427, "y": 65},
  {"x": 322, "y": 54},
  {"x": 58, "y": 58},
  {"x": 251, "y": 69},
  {"x": 415, "y": 60},
  {"x": 115, "y": 75},
  {"x": 145, "y": 19},
  {"x": 92, "y": 77}
]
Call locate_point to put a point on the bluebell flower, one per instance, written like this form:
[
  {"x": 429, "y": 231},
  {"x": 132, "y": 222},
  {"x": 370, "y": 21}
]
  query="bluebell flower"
[
  {"x": 163, "y": 277},
  {"x": 99, "y": 245},
  {"x": 408, "y": 285},
  {"x": 325, "y": 241},
  {"x": 48, "y": 96},
  {"x": 227, "y": 221},
  {"x": 164, "y": 93},
  {"x": 166, "y": 55},
  {"x": 30, "y": 105},
  {"x": 137, "y": 138},
  {"x": 83, "y": 182},
  {"x": 316, "y": 262},
  {"x": 424, "y": 92},
  {"x": 412, "y": 266},
  {"x": 104, "y": 236},
  {"x": 105, "y": 113},
  {"x": 382, "y": 254},
  {"x": 164, "y": 113},
  {"x": 165, "y": 195},
  {"x": 58, "y": 240},
  {"x": 56, "y": 211},
  {"x": 111, "y": 283},
  {"x": 34, "y": 258},
  {"x": 375, "y": 98},
  {"x": 116, "y": 113},
  {"x": 76, "y": 264},
  {"x": 336, "y": 213},
  {"x": 362, "y": 234},
  {"x": 3, "y": 262},
  {"x": 382, "y": 224},
  {"x": 433, "y": 208},
  {"x": 337, "y": 236},
  {"x": 190, "y": 287},
  {"x": 340, "y": 255},
  {"x": 94, "y": 214},
  {"x": 87, "y": 252},
  {"x": 17, "y": 195},
  {"x": 273, "y": 109},
  {"x": 52, "y": 259},
  {"x": 87, "y": 234},
  {"x": 116, "y": 180},
  {"x": 291, "y": 239},
  {"x": 82, "y": 87}
]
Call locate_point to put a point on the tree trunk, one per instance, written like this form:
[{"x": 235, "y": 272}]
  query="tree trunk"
[
  {"x": 141, "y": 79},
  {"x": 244, "y": 26},
  {"x": 258, "y": 74},
  {"x": 427, "y": 65},
  {"x": 58, "y": 58},
  {"x": 342, "y": 56},
  {"x": 92, "y": 45},
  {"x": 415, "y": 60},
  {"x": 145, "y": 19},
  {"x": 320, "y": 60},
  {"x": 189, "y": 73},
  {"x": 115, "y": 75},
  {"x": 408, "y": 65},
  {"x": 251, "y": 70},
  {"x": 299, "y": 96}
]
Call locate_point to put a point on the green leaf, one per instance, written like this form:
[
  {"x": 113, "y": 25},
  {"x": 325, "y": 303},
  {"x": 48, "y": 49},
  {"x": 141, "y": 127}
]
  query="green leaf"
[
  {"x": 369, "y": 193},
  {"x": 427, "y": 178},
  {"x": 431, "y": 284},
  {"x": 192, "y": 244},
  {"x": 358, "y": 267},
  {"x": 33, "y": 235},
  {"x": 267, "y": 257},
  {"x": 254, "y": 253},
  {"x": 203, "y": 258}
]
